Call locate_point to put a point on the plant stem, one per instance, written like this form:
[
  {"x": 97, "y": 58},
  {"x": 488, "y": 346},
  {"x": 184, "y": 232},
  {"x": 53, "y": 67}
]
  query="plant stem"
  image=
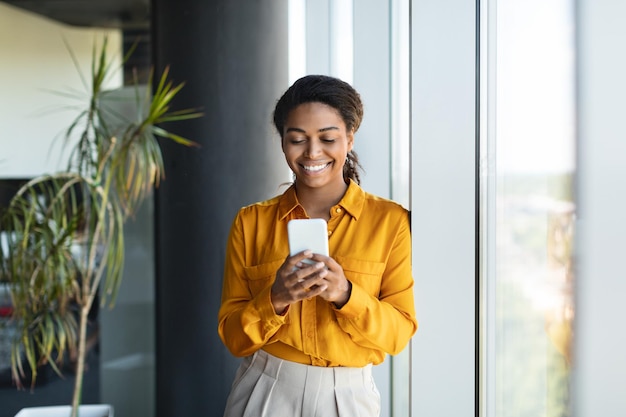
[{"x": 80, "y": 363}]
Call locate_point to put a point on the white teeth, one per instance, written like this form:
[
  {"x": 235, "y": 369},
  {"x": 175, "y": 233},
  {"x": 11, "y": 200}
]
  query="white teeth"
[{"x": 314, "y": 168}]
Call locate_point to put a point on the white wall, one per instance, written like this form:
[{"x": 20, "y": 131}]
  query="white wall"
[
  {"x": 599, "y": 360},
  {"x": 36, "y": 62}
]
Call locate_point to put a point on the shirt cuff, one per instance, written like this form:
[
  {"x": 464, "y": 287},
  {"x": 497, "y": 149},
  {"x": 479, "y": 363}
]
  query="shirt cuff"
[
  {"x": 356, "y": 305},
  {"x": 266, "y": 311}
]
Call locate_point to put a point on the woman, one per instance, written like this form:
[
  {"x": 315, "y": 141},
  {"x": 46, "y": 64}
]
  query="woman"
[{"x": 310, "y": 333}]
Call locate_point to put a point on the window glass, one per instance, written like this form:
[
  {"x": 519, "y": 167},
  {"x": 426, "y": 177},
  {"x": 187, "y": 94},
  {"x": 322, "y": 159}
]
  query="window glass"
[{"x": 527, "y": 206}]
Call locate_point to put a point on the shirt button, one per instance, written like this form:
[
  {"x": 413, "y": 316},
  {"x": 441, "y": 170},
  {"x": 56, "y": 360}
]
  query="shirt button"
[
  {"x": 330, "y": 232},
  {"x": 338, "y": 210}
]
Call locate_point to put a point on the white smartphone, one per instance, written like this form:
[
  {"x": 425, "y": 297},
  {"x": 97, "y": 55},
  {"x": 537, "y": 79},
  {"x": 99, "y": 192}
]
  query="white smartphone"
[{"x": 308, "y": 234}]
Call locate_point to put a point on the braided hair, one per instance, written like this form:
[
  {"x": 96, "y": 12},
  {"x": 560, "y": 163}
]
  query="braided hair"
[{"x": 333, "y": 92}]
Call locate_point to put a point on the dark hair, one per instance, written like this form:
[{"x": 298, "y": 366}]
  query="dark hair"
[{"x": 333, "y": 92}]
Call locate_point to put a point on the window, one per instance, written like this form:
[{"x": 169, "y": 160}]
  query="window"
[{"x": 527, "y": 210}]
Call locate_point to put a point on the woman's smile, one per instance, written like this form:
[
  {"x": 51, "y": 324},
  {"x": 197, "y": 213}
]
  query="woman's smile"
[{"x": 315, "y": 168}]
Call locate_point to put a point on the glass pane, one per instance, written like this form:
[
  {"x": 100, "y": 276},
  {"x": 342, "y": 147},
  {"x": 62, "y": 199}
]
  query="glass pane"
[
  {"x": 400, "y": 172},
  {"x": 528, "y": 152}
]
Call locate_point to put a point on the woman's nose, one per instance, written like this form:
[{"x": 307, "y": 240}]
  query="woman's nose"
[{"x": 312, "y": 150}]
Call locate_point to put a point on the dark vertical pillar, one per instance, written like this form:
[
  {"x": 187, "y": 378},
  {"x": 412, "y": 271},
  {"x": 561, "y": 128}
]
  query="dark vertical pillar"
[
  {"x": 232, "y": 54},
  {"x": 138, "y": 63}
]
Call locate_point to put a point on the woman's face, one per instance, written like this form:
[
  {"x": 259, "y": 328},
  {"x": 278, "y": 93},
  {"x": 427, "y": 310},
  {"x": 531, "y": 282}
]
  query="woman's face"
[{"x": 315, "y": 143}]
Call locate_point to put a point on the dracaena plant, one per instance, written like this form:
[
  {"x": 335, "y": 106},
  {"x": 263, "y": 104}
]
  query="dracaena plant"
[{"x": 63, "y": 233}]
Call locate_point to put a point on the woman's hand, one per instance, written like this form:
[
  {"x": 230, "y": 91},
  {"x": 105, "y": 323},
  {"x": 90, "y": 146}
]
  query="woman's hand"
[
  {"x": 297, "y": 280},
  {"x": 337, "y": 287}
]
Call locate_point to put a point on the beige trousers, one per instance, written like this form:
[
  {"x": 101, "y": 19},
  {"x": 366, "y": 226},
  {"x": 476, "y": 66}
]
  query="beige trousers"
[{"x": 267, "y": 386}]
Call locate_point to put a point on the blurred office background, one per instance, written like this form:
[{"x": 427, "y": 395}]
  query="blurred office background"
[{"x": 496, "y": 122}]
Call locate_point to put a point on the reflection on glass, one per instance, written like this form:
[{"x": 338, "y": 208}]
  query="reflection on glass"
[{"x": 527, "y": 194}]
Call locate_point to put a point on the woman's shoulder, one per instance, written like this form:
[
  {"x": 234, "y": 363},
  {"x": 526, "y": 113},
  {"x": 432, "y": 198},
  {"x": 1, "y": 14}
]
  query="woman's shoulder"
[
  {"x": 386, "y": 204},
  {"x": 263, "y": 205},
  {"x": 279, "y": 202},
  {"x": 260, "y": 212},
  {"x": 372, "y": 206}
]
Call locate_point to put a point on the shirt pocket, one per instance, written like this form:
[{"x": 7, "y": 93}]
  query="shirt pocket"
[
  {"x": 262, "y": 275},
  {"x": 366, "y": 274}
]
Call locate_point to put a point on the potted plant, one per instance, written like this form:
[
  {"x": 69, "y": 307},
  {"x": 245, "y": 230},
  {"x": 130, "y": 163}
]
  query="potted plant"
[{"x": 62, "y": 245}]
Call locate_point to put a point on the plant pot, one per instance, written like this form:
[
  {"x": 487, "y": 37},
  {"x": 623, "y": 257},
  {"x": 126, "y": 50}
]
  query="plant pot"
[{"x": 96, "y": 410}]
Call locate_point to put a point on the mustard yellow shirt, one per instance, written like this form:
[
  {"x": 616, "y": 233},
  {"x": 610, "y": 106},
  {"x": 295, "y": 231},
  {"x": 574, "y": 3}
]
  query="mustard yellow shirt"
[{"x": 368, "y": 236}]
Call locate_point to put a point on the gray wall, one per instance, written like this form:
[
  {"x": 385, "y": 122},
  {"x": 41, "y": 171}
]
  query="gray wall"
[{"x": 233, "y": 57}]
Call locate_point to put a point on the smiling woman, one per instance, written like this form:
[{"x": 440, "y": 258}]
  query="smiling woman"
[{"x": 316, "y": 329}]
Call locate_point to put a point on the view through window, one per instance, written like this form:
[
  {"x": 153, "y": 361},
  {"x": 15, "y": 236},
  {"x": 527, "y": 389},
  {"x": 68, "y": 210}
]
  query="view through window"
[{"x": 527, "y": 206}]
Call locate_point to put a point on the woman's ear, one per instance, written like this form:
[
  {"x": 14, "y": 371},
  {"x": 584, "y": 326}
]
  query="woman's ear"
[{"x": 350, "y": 137}]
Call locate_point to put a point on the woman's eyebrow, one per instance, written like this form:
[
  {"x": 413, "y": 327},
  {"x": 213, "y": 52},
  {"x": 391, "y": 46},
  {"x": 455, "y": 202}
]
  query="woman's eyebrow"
[{"x": 297, "y": 129}]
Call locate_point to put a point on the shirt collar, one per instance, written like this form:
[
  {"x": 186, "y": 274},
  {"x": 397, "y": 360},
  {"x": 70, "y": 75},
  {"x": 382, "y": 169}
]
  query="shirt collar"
[{"x": 352, "y": 201}]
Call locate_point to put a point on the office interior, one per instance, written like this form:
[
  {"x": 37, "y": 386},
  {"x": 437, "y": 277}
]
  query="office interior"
[{"x": 497, "y": 123}]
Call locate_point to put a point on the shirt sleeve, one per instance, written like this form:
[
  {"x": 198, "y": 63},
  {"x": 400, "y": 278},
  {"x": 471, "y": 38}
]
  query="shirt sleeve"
[
  {"x": 246, "y": 323},
  {"x": 387, "y": 322}
]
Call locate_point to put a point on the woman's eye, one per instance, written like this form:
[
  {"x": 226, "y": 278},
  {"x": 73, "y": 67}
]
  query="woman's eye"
[
  {"x": 296, "y": 141},
  {"x": 328, "y": 140}
]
